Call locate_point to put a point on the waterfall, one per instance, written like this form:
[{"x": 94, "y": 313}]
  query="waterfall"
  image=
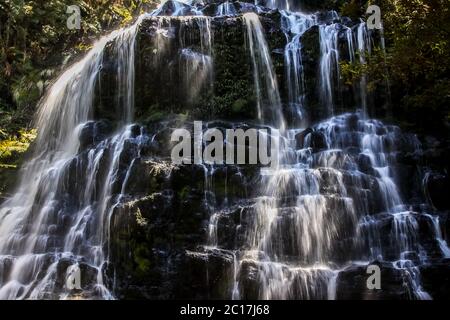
[
  {"x": 226, "y": 9},
  {"x": 176, "y": 8},
  {"x": 329, "y": 65},
  {"x": 38, "y": 235},
  {"x": 291, "y": 264},
  {"x": 295, "y": 24},
  {"x": 332, "y": 205},
  {"x": 364, "y": 47},
  {"x": 125, "y": 43},
  {"x": 198, "y": 65},
  {"x": 266, "y": 84},
  {"x": 290, "y": 195},
  {"x": 280, "y": 4}
]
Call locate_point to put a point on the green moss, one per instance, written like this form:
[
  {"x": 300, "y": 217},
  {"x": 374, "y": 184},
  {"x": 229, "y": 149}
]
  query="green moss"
[
  {"x": 151, "y": 114},
  {"x": 141, "y": 221},
  {"x": 141, "y": 254},
  {"x": 239, "y": 105},
  {"x": 352, "y": 9},
  {"x": 13, "y": 147},
  {"x": 184, "y": 193},
  {"x": 28, "y": 90},
  {"x": 12, "y": 150}
]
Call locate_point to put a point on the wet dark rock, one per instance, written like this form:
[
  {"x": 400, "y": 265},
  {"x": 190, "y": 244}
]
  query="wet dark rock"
[
  {"x": 6, "y": 263},
  {"x": 210, "y": 9},
  {"x": 170, "y": 7},
  {"x": 351, "y": 284},
  {"x": 311, "y": 58},
  {"x": 248, "y": 280},
  {"x": 145, "y": 176},
  {"x": 353, "y": 122},
  {"x": 227, "y": 225},
  {"x": 317, "y": 141},
  {"x": 300, "y": 138},
  {"x": 92, "y": 133},
  {"x": 205, "y": 274},
  {"x": 436, "y": 190},
  {"x": 87, "y": 276},
  {"x": 436, "y": 279},
  {"x": 365, "y": 164},
  {"x": 419, "y": 230}
]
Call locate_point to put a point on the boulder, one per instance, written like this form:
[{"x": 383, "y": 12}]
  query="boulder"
[
  {"x": 300, "y": 138},
  {"x": 436, "y": 279},
  {"x": 351, "y": 284}
]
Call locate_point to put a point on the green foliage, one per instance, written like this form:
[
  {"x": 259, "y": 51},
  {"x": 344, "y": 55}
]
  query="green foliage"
[
  {"x": 375, "y": 66},
  {"x": 12, "y": 147},
  {"x": 352, "y": 9},
  {"x": 34, "y": 37},
  {"x": 141, "y": 221},
  {"x": 416, "y": 61},
  {"x": 184, "y": 193},
  {"x": 417, "y": 33},
  {"x": 35, "y": 44},
  {"x": 141, "y": 258}
]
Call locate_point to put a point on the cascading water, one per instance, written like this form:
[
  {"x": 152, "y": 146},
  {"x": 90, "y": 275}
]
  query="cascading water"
[
  {"x": 198, "y": 65},
  {"x": 331, "y": 205},
  {"x": 226, "y": 9},
  {"x": 280, "y": 4},
  {"x": 364, "y": 47},
  {"x": 266, "y": 85},
  {"x": 41, "y": 227},
  {"x": 329, "y": 65},
  {"x": 296, "y": 24}
]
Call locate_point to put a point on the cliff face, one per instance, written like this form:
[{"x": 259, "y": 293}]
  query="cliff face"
[
  {"x": 350, "y": 191},
  {"x": 162, "y": 246}
]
